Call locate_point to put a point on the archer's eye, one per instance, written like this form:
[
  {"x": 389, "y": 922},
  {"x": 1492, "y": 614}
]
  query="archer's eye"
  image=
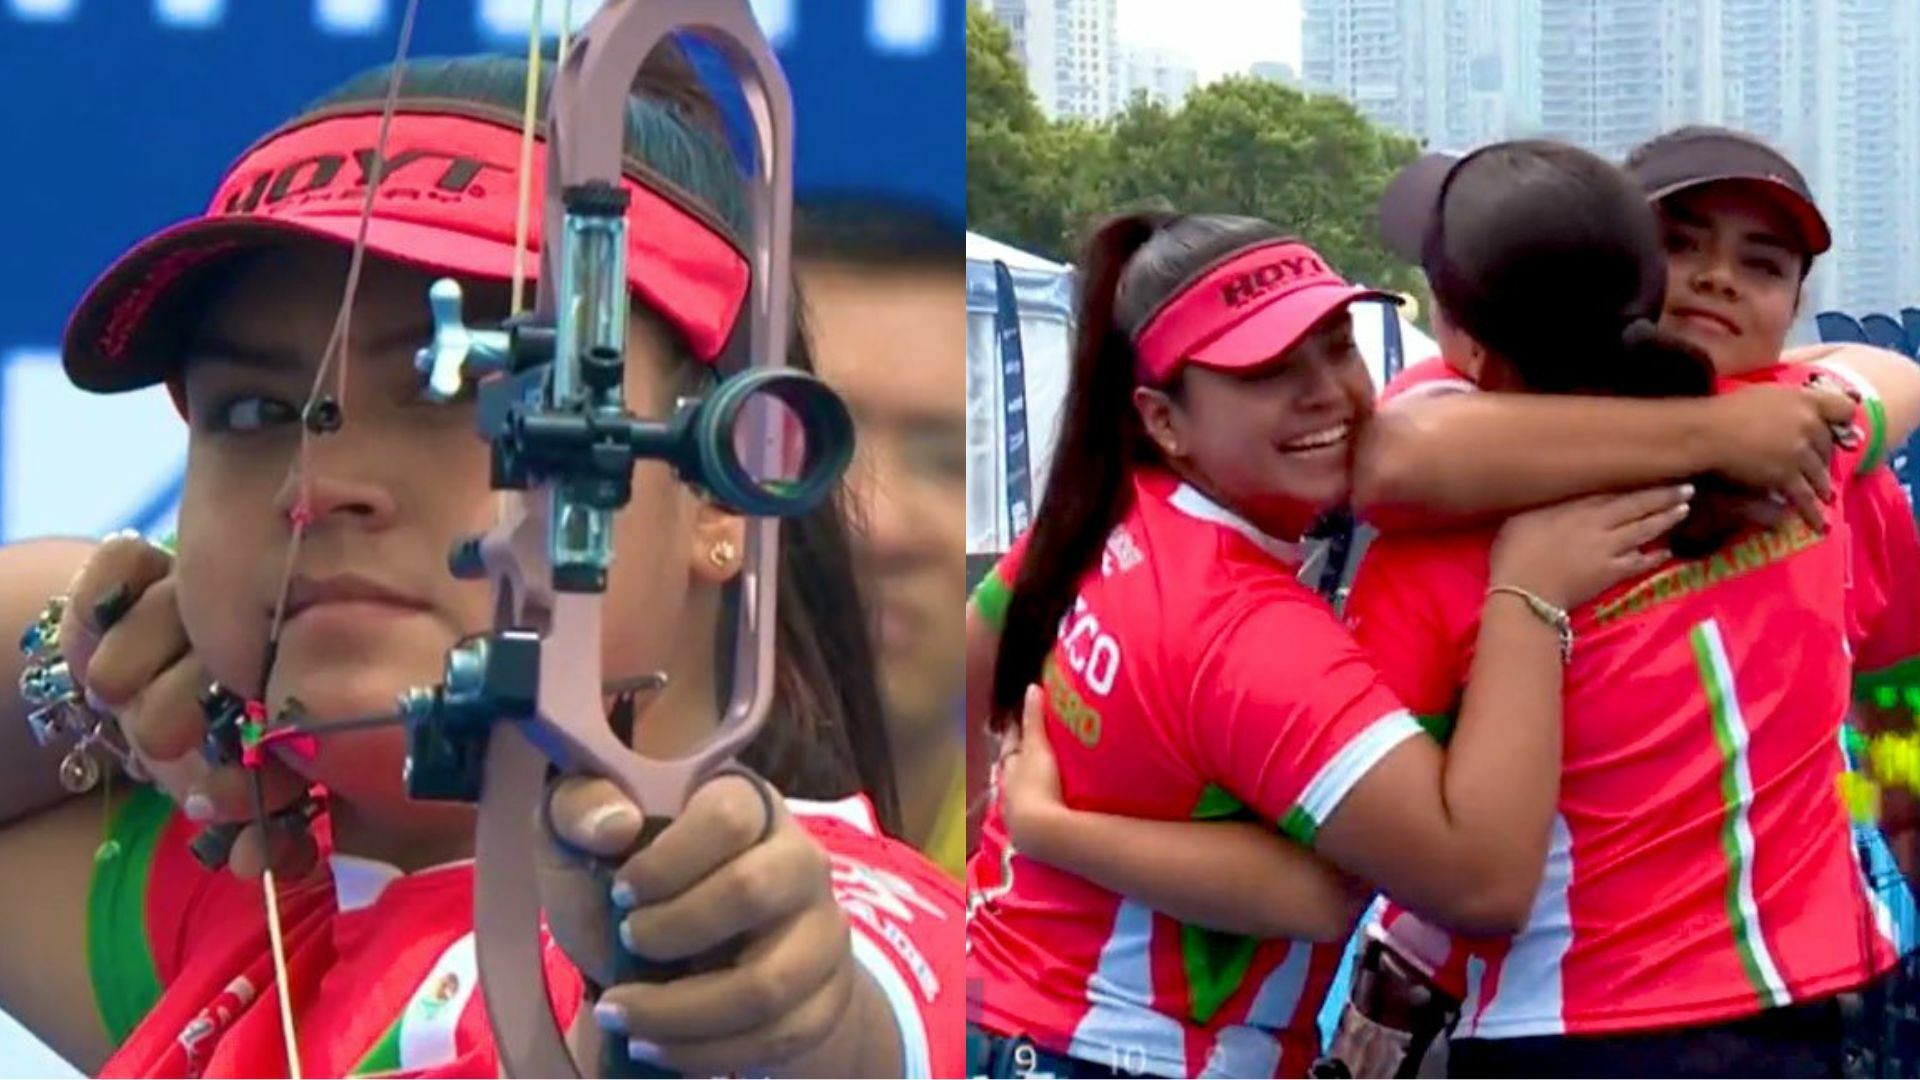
[{"x": 252, "y": 412}]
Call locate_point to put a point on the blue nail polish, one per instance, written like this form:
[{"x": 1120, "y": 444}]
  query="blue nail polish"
[
  {"x": 642, "y": 1050},
  {"x": 622, "y": 895},
  {"x": 610, "y": 1018}
]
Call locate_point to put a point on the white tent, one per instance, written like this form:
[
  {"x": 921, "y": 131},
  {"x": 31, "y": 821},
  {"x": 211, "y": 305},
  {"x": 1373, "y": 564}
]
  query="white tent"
[{"x": 1044, "y": 294}]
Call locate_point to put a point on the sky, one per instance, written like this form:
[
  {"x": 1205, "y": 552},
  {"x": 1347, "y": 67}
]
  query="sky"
[{"x": 1218, "y": 37}]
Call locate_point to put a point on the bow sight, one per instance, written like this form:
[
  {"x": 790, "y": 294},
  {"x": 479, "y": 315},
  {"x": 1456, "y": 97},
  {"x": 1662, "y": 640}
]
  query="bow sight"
[{"x": 552, "y": 408}]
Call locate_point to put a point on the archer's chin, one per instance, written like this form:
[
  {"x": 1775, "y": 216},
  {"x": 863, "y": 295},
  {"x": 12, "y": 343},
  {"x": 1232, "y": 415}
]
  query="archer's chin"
[{"x": 336, "y": 677}]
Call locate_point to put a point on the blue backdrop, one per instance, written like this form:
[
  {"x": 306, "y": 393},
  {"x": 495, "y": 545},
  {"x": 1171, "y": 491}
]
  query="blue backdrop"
[{"x": 124, "y": 113}]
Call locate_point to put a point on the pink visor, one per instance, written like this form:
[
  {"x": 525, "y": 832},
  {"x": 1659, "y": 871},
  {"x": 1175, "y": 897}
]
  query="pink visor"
[
  {"x": 446, "y": 201},
  {"x": 1245, "y": 312}
]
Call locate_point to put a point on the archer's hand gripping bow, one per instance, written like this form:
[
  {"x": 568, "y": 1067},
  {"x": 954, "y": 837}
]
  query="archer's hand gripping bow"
[{"x": 527, "y": 696}]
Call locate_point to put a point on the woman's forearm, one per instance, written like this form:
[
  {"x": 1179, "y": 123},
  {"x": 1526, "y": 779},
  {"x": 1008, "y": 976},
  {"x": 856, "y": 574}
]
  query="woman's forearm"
[
  {"x": 864, "y": 1042},
  {"x": 30, "y": 573},
  {"x": 1280, "y": 890},
  {"x": 1460, "y": 835},
  {"x": 1505, "y": 812},
  {"x": 1457, "y": 458}
]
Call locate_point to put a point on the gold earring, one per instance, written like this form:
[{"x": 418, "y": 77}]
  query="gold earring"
[{"x": 721, "y": 554}]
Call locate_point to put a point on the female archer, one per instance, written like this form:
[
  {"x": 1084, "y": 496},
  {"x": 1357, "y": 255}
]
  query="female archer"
[{"x": 848, "y": 942}]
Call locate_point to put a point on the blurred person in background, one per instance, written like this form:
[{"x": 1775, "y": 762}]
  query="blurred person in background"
[{"x": 884, "y": 286}]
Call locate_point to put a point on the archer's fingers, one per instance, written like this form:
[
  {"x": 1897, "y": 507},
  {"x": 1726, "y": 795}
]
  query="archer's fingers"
[
  {"x": 1635, "y": 563},
  {"x": 226, "y": 794},
  {"x": 119, "y": 570},
  {"x": 1033, "y": 714},
  {"x": 765, "y": 885},
  {"x": 772, "y": 977},
  {"x": 146, "y": 640},
  {"x": 1627, "y": 508},
  {"x": 165, "y": 722},
  {"x": 592, "y": 815},
  {"x": 1634, "y": 535},
  {"x": 722, "y": 820},
  {"x": 1813, "y": 469},
  {"x": 751, "y": 1052},
  {"x": 1800, "y": 495}
]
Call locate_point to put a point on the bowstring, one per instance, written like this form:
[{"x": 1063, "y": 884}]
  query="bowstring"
[
  {"x": 529, "y": 119},
  {"x": 522, "y": 216},
  {"x": 302, "y": 513}
]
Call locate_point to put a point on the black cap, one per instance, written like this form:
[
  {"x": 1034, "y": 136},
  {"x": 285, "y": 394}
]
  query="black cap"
[
  {"x": 1529, "y": 243},
  {"x": 1697, "y": 156},
  {"x": 1408, "y": 205}
]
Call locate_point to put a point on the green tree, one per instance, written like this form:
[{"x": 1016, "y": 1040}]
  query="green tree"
[
  {"x": 997, "y": 91},
  {"x": 1028, "y": 180},
  {"x": 1310, "y": 163}
]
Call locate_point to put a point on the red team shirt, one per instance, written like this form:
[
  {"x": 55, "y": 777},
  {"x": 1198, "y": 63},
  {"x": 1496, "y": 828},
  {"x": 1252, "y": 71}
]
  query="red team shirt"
[
  {"x": 1712, "y": 690},
  {"x": 1194, "y": 678},
  {"x": 382, "y": 965}
]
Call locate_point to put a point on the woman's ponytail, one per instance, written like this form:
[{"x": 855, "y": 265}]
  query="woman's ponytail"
[{"x": 1100, "y": 441}]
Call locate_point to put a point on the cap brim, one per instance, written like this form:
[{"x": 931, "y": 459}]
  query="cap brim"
[
  {"x": 127, "y": 331},
  {"x": 1814, "y": 232},
  {"x": 1409, "y": 203},
  {"x": 1271, "y": 331}
]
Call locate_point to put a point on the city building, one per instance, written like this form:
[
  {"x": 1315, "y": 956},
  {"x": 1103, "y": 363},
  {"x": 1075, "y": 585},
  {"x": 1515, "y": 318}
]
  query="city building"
[
  {"x": 1160, "y": 75},
  {"x": 1070, "y": 51},
  {"x": 1835, "y": 84},
  {"x": 1275, "y": 71}
]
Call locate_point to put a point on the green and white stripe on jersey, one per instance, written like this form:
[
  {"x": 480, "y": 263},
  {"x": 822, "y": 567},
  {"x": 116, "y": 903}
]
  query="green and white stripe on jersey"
[
  {"x": 1336, "y": 778},
  {"x": 1736, "y": 830}
]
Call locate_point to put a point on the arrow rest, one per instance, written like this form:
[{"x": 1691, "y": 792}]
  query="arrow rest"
[{"x": 489, "y": 677}]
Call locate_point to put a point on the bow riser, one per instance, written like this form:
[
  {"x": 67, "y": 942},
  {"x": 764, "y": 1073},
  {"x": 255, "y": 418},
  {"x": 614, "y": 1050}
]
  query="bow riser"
[{"x": 582, "y": 293}]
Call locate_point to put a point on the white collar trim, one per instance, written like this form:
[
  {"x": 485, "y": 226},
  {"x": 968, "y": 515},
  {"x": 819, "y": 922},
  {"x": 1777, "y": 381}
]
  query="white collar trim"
[
  {"x": 1190, "y": 501},
  {"x": 359, "y": 882}
]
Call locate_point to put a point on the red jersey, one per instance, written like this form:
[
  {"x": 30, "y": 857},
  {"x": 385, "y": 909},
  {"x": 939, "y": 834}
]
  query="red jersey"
[
  {"x": 1429, "y": 377},
  {"x": 381, "y": 965},
  {"x": 1194, "y": 678},
  {"x": 1700, "y": 867},
  {"x": 1884, "y": 595}
]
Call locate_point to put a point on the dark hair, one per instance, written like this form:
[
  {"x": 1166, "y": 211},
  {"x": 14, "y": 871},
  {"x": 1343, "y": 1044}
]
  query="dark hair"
[
  {"x": 1551, "y": 258},
  {"x": 827, "y": 735},
  {"x": 1131, "y": 265}
]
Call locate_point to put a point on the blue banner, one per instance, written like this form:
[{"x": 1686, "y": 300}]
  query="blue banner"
[{"x": 1013, "y": 398}]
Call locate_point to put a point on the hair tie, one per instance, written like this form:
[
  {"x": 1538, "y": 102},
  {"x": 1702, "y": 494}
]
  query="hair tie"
[{"x": 1639, "y": 332}]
